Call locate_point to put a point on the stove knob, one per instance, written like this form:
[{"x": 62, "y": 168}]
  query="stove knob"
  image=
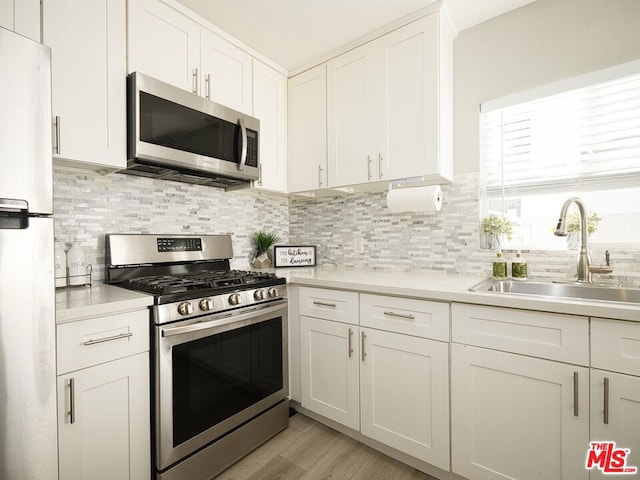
[
  {"x": 206, "y": 304},
  {"x": 258, "y": 294},
  {"x": 185, "y": 308},
  {"x": 273, "y": 292},
  {"x": 234, "y": 299}
]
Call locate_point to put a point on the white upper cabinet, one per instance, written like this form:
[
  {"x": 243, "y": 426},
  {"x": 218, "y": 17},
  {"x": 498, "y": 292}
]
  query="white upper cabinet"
[
  {"x": 88, "y": 56},
  {"x": 226, "y": 73},
  {"x": 389, "y": 107},
  {"x": 307, "y": 130},
  {"x": 22, "y": 17},
  {"x": 166, "y": 44},
  {"x": 270, "y": 107}
]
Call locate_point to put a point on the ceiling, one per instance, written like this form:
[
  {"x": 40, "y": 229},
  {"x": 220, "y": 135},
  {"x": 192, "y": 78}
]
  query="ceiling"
[{"x": 294, "y": 33}]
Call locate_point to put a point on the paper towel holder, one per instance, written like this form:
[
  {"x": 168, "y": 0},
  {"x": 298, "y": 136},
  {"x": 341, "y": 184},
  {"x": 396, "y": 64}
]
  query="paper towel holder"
[{"x": 412, "y": 182}]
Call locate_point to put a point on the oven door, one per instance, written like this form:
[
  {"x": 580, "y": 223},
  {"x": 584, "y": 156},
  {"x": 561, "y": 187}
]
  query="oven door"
[{"x": 216, "y": 374}]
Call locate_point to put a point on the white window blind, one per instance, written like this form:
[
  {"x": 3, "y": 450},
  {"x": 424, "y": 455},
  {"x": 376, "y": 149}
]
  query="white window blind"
[{"x": 588, "y": 137}]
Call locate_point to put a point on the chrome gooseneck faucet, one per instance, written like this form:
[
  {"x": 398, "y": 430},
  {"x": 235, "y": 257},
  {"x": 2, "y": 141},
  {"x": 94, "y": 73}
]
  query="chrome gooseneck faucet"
[{"x": 585, "y": 269}]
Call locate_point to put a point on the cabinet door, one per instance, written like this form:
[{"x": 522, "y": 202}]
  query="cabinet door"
[
  {"x": 351, "y": 135},
  {"x": 517, "y": 417},
  {"x": 615, "y": 415},
  {"x": 22, "y": 17},
  {"x": 270, "y": 107},
  {"x": 226, "y": 73},
  {"x": 405, "y": 394},
  {"x": 88, "y": 61},
  {"x": 329, "y": 370},
  {"x": 407, "y": 106},
  {"x": 307, "y": 136},
  {"x": 164, "y": 44},
  {"x": 108, "y": 436}
]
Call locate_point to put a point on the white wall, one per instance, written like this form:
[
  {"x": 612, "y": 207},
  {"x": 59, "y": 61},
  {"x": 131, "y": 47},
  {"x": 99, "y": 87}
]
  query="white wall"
[{"x": 540, "y": 43}]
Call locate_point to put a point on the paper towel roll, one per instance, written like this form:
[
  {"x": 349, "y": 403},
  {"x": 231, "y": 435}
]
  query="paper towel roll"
[{"x": 426, "y": 199}]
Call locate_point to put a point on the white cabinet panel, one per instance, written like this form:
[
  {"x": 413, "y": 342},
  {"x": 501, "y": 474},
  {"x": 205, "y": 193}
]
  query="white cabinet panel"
[
  {"x": 615, "y": 345},
  {"x": 270, "y": 107},
  {"x": 107, "y": 437},
  {"x": 329, "y": 370},
  {"x": 164, "y": 44},
  {"x": 615, "y": 415},
  {"x": 517, "y": 417},
  {"x": 21, "y": 16},
  {"x": 405, "y": 394},
  {"x": 307, "y": 130},
  {"x": 88, "y": 61},
  {"x": 337, "y": 305},
  {"x": 539, "y": 334},
  {"x": 226, "y": 73}
]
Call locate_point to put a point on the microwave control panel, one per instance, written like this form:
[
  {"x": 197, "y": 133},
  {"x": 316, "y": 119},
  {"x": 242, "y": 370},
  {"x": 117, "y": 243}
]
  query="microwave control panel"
[{"x": 252, "y": 148}]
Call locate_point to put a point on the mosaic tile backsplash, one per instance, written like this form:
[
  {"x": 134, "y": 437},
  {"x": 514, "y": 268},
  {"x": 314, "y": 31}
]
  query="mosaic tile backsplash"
[{"x": 87, "y": 206}]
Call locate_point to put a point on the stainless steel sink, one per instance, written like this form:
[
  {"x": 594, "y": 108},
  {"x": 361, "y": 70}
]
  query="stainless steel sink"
[{"x": 597, "y": 292}]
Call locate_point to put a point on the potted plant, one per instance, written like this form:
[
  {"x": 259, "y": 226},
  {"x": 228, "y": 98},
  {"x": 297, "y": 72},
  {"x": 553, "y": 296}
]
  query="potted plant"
[
  {"x": 496, "y": 228},
  {"x": 262, "y": 242},
  {"x": 573, "y": 228}
]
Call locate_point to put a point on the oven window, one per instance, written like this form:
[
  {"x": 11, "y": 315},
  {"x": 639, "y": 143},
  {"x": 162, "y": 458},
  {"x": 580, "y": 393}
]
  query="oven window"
[{"x": 216, "y": 377}]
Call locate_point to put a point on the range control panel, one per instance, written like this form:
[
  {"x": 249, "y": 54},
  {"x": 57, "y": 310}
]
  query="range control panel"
[{"x": 189, "y": 244}]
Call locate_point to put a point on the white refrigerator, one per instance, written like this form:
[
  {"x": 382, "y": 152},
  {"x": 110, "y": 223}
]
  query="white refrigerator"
[{"x": 28, "y": 433}]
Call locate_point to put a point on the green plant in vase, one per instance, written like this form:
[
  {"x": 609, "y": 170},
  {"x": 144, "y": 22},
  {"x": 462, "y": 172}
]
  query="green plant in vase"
[
  {"x": 496, "y": 227},
  {"x": 262, "y": 242}
]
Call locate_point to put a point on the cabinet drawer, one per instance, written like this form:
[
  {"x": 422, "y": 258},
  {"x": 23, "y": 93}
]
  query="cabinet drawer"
[
  {"x": 420, "y": 318},
  {"x": 89, "y": 342},
  {"x": 336, "y": 305},
  {"x": 615, "y": 345},
  {"x": 545, "y": 335}
]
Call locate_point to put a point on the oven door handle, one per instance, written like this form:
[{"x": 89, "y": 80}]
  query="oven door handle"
[{"x": 223, "y": 319}]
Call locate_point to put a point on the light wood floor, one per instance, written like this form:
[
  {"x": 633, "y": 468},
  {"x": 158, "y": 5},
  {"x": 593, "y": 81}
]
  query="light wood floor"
[{"x": 308, "y": 450}]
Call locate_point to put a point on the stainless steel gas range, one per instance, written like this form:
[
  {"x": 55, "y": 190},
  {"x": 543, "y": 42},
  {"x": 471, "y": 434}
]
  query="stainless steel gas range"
[{"x": 219, "y": 357}]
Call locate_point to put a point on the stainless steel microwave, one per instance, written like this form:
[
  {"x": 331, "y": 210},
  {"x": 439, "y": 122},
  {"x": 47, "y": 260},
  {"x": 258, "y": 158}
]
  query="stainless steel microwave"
[{"x": 177, "y": 135}]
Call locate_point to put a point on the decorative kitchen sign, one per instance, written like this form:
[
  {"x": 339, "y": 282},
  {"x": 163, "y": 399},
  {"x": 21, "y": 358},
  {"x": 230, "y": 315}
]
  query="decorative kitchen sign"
[{"x": 294, "y": 256}]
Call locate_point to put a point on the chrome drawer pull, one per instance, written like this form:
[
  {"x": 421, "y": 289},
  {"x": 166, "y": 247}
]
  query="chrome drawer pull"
[
  {"x": 107, "y": 339},
  {"x": 350, "y": 345},
  {"x": 605, "y": 418},
  {"x": 576, "y": 410},
  {"x": 362, "y": 337},
  {"x": 400, "y": 315},
  {"x": 72, "y": 401},
  {"x": 325, "y": 304}
]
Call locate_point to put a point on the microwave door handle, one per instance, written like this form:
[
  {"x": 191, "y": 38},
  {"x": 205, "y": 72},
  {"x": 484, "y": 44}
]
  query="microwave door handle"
[{"x": 243, "y": 151}]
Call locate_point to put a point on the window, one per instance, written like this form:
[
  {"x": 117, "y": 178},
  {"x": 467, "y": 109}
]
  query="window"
[{"x": 580, "y": 137}]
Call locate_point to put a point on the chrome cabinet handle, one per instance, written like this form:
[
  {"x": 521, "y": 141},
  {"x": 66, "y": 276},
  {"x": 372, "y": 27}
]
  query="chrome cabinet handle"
[
  {"x": 319, "y": 175},
  {"x": 194, "y": 80},
  {"x": 350, "y": 345},
  {"x": 107, "y": 339},
  {"x": 379, "y": 165},
  {"x": 399, "y": 315},
  {"x": 57, "y": 127},
  {"x": 207, "y": 86},
  {"x": 260, "y": 175},
  {"x": 576, "y": 409},
  {"x": 72, "y": 401},
  {"x": 368, "y": 167},
  {"x": 605, "y": 416},
  {"x": 243, "y": 153},
  {"x": 324, "y": 304},
  {"x": 362, "y": 337}
]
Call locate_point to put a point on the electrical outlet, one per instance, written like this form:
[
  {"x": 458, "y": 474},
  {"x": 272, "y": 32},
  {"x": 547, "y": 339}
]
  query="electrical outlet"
[{"x": 358, "y": 245}]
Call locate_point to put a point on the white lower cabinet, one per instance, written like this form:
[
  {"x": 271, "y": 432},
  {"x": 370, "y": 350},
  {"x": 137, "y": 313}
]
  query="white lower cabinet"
[
  {"x": 103, "y": 397},
  {"x": 516, "y": 417},
  {"x": 330, "y": 370},
  {"x": 103, "y": 425},
  {"x": 392, "y": 387},
  {"x": 615, "y": 415},
  {"x": 404, "y": 390}
]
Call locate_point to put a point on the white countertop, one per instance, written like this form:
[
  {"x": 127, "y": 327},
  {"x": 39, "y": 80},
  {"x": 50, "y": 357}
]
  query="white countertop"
[
  {"x": 75, "y": 303},
  {"x": 449, "y": 288}
]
